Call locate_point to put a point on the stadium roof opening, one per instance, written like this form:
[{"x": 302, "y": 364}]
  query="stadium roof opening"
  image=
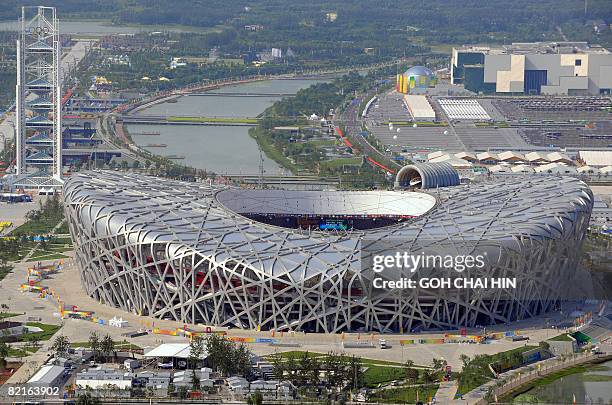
[{"x": 326, "y": 210}]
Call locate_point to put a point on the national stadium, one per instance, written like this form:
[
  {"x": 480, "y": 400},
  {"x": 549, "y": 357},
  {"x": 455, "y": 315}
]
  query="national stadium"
[{"x": 293, "y": 260}]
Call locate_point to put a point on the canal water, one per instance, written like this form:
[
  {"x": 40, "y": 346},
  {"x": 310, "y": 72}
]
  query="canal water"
[
  {"x": 592, "y": 387},
  {"x": 219, "y": 149}
]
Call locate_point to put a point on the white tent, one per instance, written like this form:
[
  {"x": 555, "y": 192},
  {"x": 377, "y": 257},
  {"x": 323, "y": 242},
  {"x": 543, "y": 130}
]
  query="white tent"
[{"x": 175, "y": 350}]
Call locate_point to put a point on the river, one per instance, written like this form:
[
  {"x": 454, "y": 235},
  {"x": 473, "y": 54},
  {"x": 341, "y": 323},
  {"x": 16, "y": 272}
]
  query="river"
[
  {"x": 592, "y": 387},
  {"x": 220, "y": 149}
]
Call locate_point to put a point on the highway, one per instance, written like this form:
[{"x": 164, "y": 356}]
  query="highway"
[{"x": 352, "y": 123}]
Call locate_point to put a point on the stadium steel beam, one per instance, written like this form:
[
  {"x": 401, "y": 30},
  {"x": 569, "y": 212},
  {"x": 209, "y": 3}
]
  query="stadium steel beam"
[{"x": 190, "y": 252}]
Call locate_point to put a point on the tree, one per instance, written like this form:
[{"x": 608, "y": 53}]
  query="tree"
[
  {"x": 94, "y": 345},
  {"x": 60, "y": 345},
  {"x": 438, "y": 364},
  {"x": 196, "y": 350},
  {"x": 412, "y": 375},
  {"x": 256, "y": 398},
  {"x": 544, "y": 345},
  {"x": 355, "y": 372},
  {"x": 429, "y": 376},
  {"x": 107, "y": 346},
  {"x": 241, "y": 360},
  {"x": 4, "y": 351},
  {"x": 303, "y": 367},
  {"x": 182, "y": 392},
  {"x": 136, "y": 164},
  {"x": 314, "y": 372},
  {"x": 87, "y": 399},
  {"x": 465, "y": 360},
  {"x": 226, "y": 357},
  {"x": 278, "y": 367},
  {"x": 516, "y": 359}
]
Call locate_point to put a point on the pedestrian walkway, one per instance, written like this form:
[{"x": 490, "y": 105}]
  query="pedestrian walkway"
[{"x": 446, "y": 392}]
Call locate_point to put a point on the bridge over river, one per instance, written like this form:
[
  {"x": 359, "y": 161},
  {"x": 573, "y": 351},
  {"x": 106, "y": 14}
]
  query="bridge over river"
[{"x": 184, "y": 120}]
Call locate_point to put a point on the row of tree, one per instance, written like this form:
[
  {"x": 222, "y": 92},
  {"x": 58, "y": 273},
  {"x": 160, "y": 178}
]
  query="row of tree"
[
  {"x": 101, "y": 347},
  {"x": 332, "y": 371}
]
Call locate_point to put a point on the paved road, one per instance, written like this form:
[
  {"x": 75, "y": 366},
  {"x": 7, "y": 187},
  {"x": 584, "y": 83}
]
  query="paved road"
[
  {"x": 73, "y": 57},
  {"x": 352, "y": 122}
]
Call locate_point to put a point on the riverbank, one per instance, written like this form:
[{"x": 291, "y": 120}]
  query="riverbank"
[
  {"x": 583, "y": 368},
  {"x": 515, "y": 382}
]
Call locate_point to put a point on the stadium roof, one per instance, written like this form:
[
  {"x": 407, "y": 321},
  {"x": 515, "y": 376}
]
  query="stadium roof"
[
  {"x": 329, "y": 203},
  {"x": 188, "y": 217}
]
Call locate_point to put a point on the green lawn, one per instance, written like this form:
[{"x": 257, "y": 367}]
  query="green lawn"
[
  {"x": 405, "y": 394},
  {"x": 43, "y": 255},
  {"x": 321, "y": 142},
  {"x": 118, "y": 345},
  {"x": 365, "y": 362},
  {"x": 47, "y": 331},
  {"x": 39, "y": 227},
  {"x": 15, "y": 352},
  {"x": 332, "y": 164},
  {"x": 376, "y": 375},
  {"x": 562, "y": 338},
  {"x": 5, "y": 269},
  {"x": 4, "y": 315}
]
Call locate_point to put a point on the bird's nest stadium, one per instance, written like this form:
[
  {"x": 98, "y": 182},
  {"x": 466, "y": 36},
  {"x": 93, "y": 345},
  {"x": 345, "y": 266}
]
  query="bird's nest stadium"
[{"x": 292, "y": 260}]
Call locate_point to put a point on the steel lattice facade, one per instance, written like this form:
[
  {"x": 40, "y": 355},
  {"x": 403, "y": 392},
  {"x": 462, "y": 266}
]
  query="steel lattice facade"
[{"x": 173, "y": 250}]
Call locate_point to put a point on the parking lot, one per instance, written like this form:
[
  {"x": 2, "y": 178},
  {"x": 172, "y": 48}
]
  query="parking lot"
[{"x": 536, "y": 123}]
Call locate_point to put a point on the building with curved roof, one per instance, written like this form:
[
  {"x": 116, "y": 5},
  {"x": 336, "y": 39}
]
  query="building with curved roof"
[
  {"x": 417, "y": 77},
  {"x": 296, "y": 260},
  {"x": 427, "y": 175}
]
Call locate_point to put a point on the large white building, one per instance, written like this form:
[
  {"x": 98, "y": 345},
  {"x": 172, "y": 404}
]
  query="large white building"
[{"x": 563, "y": 68}]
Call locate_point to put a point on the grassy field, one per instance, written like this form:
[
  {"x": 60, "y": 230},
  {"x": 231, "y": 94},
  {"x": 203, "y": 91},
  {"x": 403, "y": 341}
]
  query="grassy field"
[
  {"x": 16, "y": 352},
  {"x": 41, "y": 227},
  {"x": 322, "y": 142},
  {"x": 405, "y": 394},
  {"x": 376, "y": 375},
  {"x": 4, "y": 315},
  {"x": 118, "y": 345},
  {"x": 47, "y": 331},
  {"x": 5, "y": 270},
  {"x": 562, "y": 338},
  {"x": 365, "y": 362},
  {"x": 332, "y": 164}
]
